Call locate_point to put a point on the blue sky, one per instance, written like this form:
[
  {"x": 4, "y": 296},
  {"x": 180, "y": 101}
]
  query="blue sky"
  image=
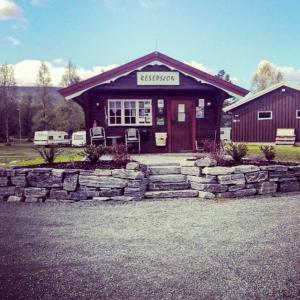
[{"x": 235, "y": 35}]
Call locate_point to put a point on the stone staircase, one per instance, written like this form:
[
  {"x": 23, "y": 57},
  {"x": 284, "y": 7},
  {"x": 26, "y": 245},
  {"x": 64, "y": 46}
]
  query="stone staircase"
[{"x": 166, "y": 181}]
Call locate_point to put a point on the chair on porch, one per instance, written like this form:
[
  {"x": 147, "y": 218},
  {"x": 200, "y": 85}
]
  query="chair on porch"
[
  {"x": 97, "y": 136},
  {"x": 132, "y": 136}
]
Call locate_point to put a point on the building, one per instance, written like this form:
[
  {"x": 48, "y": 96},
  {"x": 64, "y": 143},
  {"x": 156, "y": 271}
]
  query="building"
[
  {"x": 257, "y": 117},
  {"x": 156, "y": 94}
]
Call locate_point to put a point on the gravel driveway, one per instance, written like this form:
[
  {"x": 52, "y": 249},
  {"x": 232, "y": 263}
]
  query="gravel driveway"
[{"x": 179, "y": 249}]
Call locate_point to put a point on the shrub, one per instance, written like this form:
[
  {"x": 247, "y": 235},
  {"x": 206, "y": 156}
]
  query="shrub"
[
  {"x": 268, "y": 151},
  {"x": 49, "y": 153},
  {"x": 93, "y": 152},
  {"x": 236, "y": 151},
  {"x": 119, "y": 153},
  {"x": 209, "y": 146}
]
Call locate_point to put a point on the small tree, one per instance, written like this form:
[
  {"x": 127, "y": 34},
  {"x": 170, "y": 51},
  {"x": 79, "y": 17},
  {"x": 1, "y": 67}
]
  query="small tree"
[
  {"x": 223, "y": 75},
  {"x": 7, "y": 95},
  {"x": 268, "y": 151},
  {"x": 265, "y": 76},
  {"x": 93, "y": 153},
  {"x": 70, "y": 76},
  {"x": 237, "y": 151},
  {"x": 48, "y": 154}
]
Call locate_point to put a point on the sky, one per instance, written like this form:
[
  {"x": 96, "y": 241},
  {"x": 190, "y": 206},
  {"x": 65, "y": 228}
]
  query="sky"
[{"x": 97, "y": 35}]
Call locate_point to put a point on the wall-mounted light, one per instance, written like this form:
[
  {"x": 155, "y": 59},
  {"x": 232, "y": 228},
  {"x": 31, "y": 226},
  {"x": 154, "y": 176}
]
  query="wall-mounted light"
[
  {"x": 208, "y": 103},
  {"x": 98, "y": 104},
  {"x": 283, "y": 90}
]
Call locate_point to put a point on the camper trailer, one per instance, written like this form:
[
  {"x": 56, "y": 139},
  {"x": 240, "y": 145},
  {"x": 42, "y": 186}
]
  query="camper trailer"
[
  {"x": 79, "y": 139},
  {"x": 51, "y": 137}
]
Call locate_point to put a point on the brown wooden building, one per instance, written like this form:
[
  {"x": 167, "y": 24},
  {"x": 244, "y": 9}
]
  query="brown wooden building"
[
  {"x": 256, "y": 117},
  {"x": 155, "y": 93}
]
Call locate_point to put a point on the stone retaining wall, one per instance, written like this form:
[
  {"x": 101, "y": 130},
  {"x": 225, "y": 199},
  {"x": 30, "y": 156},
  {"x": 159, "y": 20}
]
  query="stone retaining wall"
[
  {"x": 42, "y": 184},
  {"x": 239, "y": 181}
]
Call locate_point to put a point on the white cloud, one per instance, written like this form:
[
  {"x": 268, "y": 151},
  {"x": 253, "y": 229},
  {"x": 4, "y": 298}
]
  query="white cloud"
[
  {"x": 37, "y": 2},
  {"x": 10, "y": 10},
  {"x": 200, "y": 66},
  {"x": 26, "y": 72},
  {"x": 14, "y": 41}
]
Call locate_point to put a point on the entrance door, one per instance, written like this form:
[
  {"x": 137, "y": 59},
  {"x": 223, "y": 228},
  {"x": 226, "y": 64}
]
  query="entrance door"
[{"x": 181, "y": 125}]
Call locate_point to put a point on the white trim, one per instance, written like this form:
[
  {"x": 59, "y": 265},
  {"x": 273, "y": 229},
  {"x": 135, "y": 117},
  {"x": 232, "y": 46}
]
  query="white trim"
[
  {"x": 251, "y": 97},
  {"x": 153, "y": 63},
  {"x": 123, "y": 114},
  {"x": 264, "y": 111},
  {"x": 298, "y": 110}
]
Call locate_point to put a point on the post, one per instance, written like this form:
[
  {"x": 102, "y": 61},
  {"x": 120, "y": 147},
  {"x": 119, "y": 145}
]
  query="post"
[{"x": 20, "y": 125}]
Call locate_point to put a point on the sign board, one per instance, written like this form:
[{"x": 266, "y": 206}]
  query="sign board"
[
  {"x": 199, "y": 112},
  {"x": 158, "y": 78}
]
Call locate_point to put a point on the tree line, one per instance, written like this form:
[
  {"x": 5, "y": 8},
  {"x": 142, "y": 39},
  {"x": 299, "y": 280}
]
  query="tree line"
[{"x": 21, "y": 115}]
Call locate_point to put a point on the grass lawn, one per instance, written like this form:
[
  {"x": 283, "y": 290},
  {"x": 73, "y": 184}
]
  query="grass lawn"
[
  {"x": 283, "y": 153},
  {"x": 25, "y": 155}
]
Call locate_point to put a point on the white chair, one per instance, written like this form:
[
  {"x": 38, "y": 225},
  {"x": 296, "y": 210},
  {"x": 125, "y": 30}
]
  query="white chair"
[
  {"x": 132, "y": 136},
  {"x": 97, "y": 135}
]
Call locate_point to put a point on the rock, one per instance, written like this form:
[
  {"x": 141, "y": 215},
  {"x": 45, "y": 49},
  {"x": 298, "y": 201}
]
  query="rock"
[
  {"x": 256, "y": 176},
  {"x": 19, "y": 191},
  {"x": 15, "y": 199},
  {"x": 237, "y": 187},
  {"x": 2, "y": 198},
  {"x": 101, "y": 198},
  {"x": 205, "y": 162},
  {"x": 232, "y": 179},
  {"x": 132, "y": 165},
  {"x": 188, "y": 163},
  {"x": 35, "y": 192},
  {"x": 103, "y": 172},
  {"x": 78, "y": 195},
  {"x": 217, "y": 170},
  {"x": 206, "y": 195},
  {"x": 7, "y": 191},
  {"x": 137, "y": 183},
  {"x": 4, "y": 181},
  {"x": 193, "y": 171},
  {"x": 43, "y": 179},
  {"x": 289, "y": 186},
  {"x": 123, "y": 198},
  {"x": 209, "y": 187},
  {"x": 58, "y": 172},
  {"x": 294, "y": 168},
  {"x": 167, "y": 178},
  {"x": 164, "y": 170},
  {"x": 171, "y": 194},
  {"x": 282, "y": 176},
  {"x": 2, "y": 172},
  {"x": 167, "y": 186},
  {"x": 276, "y": 168},
  {"x": 246, "y": 169},
  {"x": 70, "y": 182},
  {"x": 237, "y": 194},
  {"x": 127, "y": 174},
  {"x": 32, "y": 199},
  {"x": 202, "y": 179},
  {"x": 266, "y": 187},
  {"x": 110, "y": 192},
  {"x": 59, "y": 194},
  {"x": 102, "y": 181},
  {"x": 19, "y": 180}
]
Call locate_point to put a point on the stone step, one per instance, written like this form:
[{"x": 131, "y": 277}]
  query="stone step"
[
  {"x": 162, "y": 164},
  {"x": 172, "y": 194},
  {"x": 167, "y": 178},
  {"x": 164, "y": 170},
  {"x": 166, "y": 186}
]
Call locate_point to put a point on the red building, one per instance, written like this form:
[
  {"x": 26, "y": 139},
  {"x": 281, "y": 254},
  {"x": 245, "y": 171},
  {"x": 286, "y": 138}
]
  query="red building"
[
  {"x": 256, "y": 118},
  {"x": 155, "y": 93}
]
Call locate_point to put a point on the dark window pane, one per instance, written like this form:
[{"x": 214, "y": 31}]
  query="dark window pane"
[
  {"x": 118, "y": 120},
  {"x": 265, "y": 115},
  {"x": 112, "y": 120}
]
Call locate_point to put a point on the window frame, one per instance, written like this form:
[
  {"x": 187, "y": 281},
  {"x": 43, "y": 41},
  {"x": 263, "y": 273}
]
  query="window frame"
[
  {"x": 264, "y": 111},
  {"x": 137, "y": 116},
  {"x": 297, "y": 111}
]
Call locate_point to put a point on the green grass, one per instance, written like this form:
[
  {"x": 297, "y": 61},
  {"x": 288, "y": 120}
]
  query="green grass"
[
  {"x": 25, "y": 155},
  {"x": 283, "y": 153}
]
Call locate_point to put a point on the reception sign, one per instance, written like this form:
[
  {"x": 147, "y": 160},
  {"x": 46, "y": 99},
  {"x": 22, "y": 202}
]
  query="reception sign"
[{"x": 158, "y": 78}]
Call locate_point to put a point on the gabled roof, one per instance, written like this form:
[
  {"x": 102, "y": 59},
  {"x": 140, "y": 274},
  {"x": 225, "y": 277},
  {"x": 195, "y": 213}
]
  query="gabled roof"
[
  {"x": 252, "y": 97},
  {"x": 154, "y": 58}
]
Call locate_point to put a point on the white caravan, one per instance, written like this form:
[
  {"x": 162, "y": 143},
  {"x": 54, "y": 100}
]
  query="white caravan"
[
  {"x": 51, "y": 137},
  {"x": 225, "y": 134},
  {"x": 79, "y": 139}
]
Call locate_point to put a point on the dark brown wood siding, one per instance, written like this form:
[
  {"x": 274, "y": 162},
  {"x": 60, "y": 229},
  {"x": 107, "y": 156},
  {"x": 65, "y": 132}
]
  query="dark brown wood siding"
[{"x": 247, "y": 128}]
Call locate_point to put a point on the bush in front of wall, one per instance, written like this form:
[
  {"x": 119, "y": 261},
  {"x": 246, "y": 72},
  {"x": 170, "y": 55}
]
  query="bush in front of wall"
[
  {"x": 49, "y": 153},
  {"x": 119, "y": 154},
  {"x": 94, "y": 153},
  {"x": 237, "y": 151},
  {"x": 268, "y": 151}
]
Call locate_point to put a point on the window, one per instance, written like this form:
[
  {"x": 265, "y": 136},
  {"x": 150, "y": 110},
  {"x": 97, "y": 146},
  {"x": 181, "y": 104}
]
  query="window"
[
  {"x": 129, "y": 112},
  {"x": 50, "y": 137},
  {"x": 298, "y": 114},
  {"x": 264, "y": 115}
]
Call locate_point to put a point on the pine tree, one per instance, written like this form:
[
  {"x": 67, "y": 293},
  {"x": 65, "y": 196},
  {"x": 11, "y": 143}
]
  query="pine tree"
[{"x": 70, "y": 76}]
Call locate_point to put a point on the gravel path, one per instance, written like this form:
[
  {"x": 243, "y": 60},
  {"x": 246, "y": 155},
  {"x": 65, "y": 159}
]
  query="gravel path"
[{"x": 179, "y": 249}]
